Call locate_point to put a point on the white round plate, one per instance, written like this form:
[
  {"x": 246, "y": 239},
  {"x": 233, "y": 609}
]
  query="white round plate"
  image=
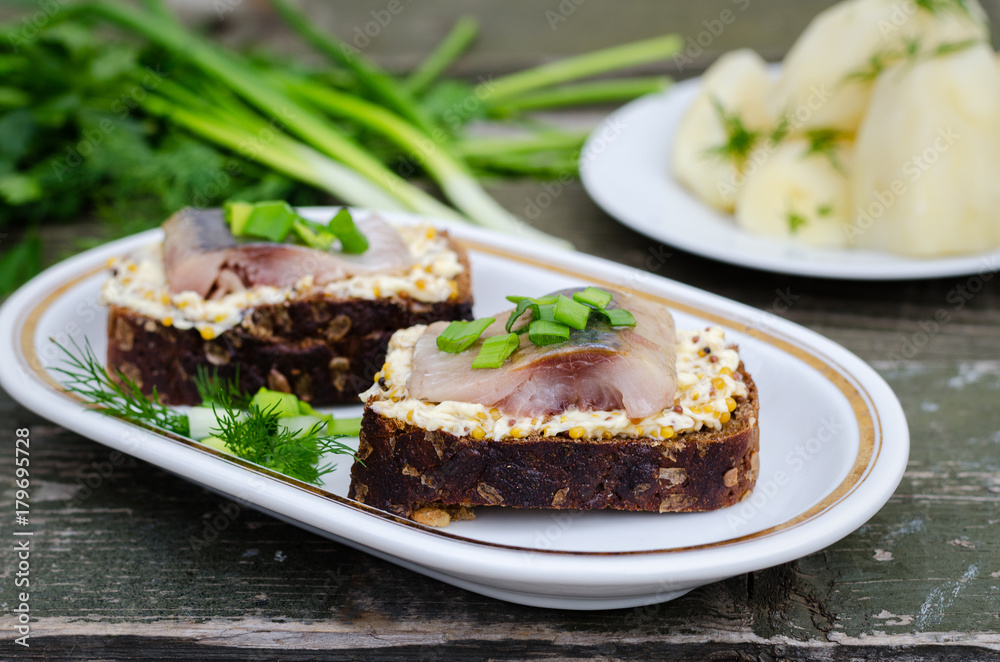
[
  {"x": 625, "y": 167},
  {"x": 833, "y": 445}
]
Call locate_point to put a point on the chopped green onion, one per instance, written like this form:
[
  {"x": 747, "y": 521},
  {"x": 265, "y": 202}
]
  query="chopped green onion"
[
  {"x": 522, "y": 305},
  {"x": 282, "y": 405},
  {"x": 593, "y": 297},
  {"x": 539, "y": 300},
  {"x": 460, "y": 335},
  {"x": 571, "y": 313},
  {"x": 236, "y": 214},
  {"x": 269, "y": 220},
  {"x": 543, "y": 333},
  {"x": 496, "y": 350},
  {"x": 618, "y": 317},
  {"x": 351, "y": 239},
  {"x": 457, "y": 41},
  {"x": 546, "y": 312},
  {"x": 349, "y": 427},
  {"x": 313, "y": 235}
]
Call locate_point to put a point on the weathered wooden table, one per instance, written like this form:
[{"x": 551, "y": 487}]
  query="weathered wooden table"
[{"x": 115, "y": 575}]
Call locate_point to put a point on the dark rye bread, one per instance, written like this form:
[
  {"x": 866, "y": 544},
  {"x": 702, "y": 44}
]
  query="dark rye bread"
[
  {"x": 326, "y": 350},
  {"x": 407, "y": 468}
]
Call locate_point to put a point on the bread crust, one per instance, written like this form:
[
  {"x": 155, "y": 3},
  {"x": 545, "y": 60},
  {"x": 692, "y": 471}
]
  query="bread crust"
[
  {"x": 403, "y": 468},
  {"x": 324, "y": 349}
]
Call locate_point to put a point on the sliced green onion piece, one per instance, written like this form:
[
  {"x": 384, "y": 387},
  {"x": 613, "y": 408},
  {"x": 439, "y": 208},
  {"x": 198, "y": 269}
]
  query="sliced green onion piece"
[
  {"x": 460, "y": 335},
  {"x": 349, "y": 427},
  {"x": 571, "y": 313},
  {"x": 269, "y": 220},
  {"x": 496, "y": 350},
  {"x": 539, "y": 300},
  {"x": 544, "y": 333},
  {"x": 312, "y": 234},
  {"x": 351, "y": 239},
  {"x": 236, "y": 214},
  {"x": 593, "y": 297},
  {"x": 618, "y": 317},
  {"x": 522, "y": 305},
  {"x": 546, "y": 312}
]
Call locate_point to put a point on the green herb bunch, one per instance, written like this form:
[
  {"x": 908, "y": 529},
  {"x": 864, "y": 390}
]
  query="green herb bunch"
[{"x": 248, "y": 431}]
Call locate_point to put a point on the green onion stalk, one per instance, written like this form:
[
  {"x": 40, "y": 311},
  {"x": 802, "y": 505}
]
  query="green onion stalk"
[
  {"x": 452, "y": 175},
  {"x": 454, "y": 44},
  {"x": 270, "y": 100},
  {"x": 604, "y": 91},
  {"x": 380, "y": 83},
  {"x": 582, "y": 66},
  {"x": 540, "y": 142},
  {"x": 280, "y": 153}
]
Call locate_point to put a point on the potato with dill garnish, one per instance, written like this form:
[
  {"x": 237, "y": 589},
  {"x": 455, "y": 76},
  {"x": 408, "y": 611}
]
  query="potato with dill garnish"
[
  {"x": 799, "y": 192},
  {"x": 723, "y": 127},
  {"x": 927, "y": 158},
  {"x": 826, "y": 77}
]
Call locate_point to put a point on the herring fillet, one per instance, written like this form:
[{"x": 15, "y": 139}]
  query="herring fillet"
[
  {"x": 201, "y": 255},
  {"x": 599, "y": 369}
]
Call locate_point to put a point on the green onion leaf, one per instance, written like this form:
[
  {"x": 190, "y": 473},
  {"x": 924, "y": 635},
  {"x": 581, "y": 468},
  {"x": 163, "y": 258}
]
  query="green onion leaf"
[
  {"x": 546, "y": 312},
  {"x": 313, "y": 235},
  {"x": 348, "y": 427},
  {"x": 522, "y": 305},
  {"x": 236, "y": 214},
  {"x": 460, "y": 335},
  {"x": 538, "y": 300},
  {"x": 282, "y": 405},
  {"x": 544, "y": 333},
  {"x": 571, "y": 313},
  {"x": 269, "y": 220},
  {"x": 496, "y": 350},
  {"x": 618, "y": 317},
  {"x": 351, "y": 239},
  {"x": 593, "y": 297}
]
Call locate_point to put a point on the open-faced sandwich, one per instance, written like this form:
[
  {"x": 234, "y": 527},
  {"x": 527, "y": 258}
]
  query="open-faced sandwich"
[
  {"x": 583, "y": 399},
  {"x": 230, "y": 291}
]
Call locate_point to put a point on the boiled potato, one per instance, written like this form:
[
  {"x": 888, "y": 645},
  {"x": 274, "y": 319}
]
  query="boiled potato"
[
  {"x": 928, "y": 156},
  {"x": 797, "y": 195},
  {"x": 819, "y": 86},
  {"x": 739, "y": 82}
]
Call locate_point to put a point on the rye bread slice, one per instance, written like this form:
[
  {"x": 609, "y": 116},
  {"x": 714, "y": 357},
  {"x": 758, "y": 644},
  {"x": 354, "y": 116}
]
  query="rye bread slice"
[
  {"x": 406, "y": 468},
  {"x": 324, "y": 349}
]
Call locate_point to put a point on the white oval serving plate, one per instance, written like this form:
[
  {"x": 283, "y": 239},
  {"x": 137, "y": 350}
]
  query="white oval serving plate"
[
  {"x": 834, "y": 443},
  {"x": 625, "y": 167}
]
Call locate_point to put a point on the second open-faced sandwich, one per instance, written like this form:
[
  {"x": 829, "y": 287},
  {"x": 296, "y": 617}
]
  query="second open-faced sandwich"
[{"x": 583, "y": 399}]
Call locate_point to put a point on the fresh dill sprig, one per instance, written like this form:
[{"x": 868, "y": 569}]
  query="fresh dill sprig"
[
  {"x": 795, "y": 221},
  {"x": 951, "y": 47},
  {"x": 781, "y": 131},
  {"x": 119, "y": 396},
  {"x": 254, "y": 435},
  {"x": 941, "y": 6},
  {"x": 910, "y": 53},
  {"x": 213, "y": 388},
  {"x": 824, "y": 142},
  {"x": 740, "y": 140},
  {"x": 877, "y": 63}
]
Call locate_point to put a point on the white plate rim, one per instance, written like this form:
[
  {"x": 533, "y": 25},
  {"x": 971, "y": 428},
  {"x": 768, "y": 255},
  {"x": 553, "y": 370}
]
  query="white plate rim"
[
  {"x": 603, "y": 155},
  {"x": 569, "y": 576}
]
